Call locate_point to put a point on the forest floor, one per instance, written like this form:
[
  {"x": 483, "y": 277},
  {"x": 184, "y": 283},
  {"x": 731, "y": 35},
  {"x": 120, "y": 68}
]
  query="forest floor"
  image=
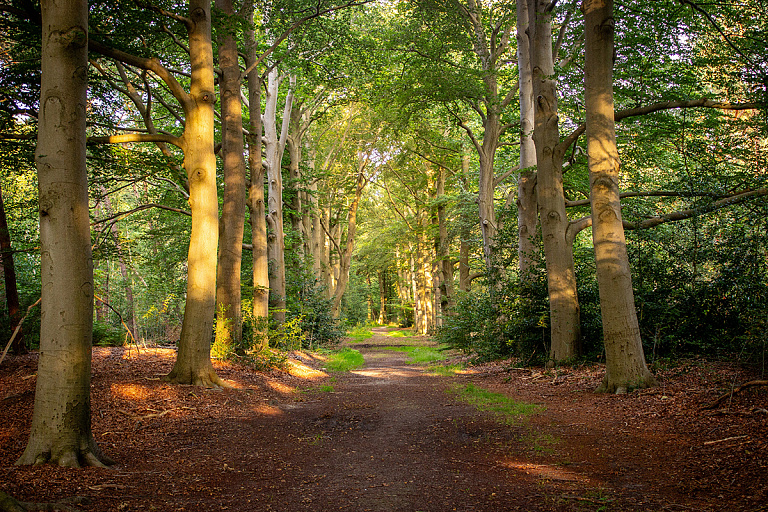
[{"x": 392, "y": 436}]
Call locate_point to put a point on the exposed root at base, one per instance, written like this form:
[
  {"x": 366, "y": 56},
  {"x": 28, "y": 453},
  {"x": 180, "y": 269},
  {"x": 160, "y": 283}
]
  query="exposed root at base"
[
  {"x": 622, "y": 388},
  {"x": 206, "y": 378},
  {"x": 68, "y": 459}
]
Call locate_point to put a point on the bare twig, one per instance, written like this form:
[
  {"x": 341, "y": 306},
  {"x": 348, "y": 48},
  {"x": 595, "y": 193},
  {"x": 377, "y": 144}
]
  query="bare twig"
[{"x": 18, "y": 327}]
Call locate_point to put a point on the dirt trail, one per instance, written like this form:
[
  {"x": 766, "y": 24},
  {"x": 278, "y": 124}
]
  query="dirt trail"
[{"x": 389, "y": 437}]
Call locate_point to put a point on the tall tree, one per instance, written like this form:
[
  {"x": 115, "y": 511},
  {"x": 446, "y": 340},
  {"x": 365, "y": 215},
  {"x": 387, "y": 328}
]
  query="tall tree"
[
  {"x": 527, "y": 212},
  {"x": 624, "y": 358},
  {"x": 61, "y": 421},
  {"x": 274, "y": 145},
  {"x": 561, "y": 279},
  {"x": 193, "y": 363},
  {"x": 229, "y": 332}
]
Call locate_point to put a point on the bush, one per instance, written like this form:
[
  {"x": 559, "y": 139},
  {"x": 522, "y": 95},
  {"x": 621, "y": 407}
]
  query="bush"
[
  {"x": 107, "y": 335},
  {"x": 513, "y": 321}
]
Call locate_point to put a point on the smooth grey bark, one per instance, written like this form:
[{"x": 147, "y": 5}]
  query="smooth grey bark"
[
  {"x": 624, "y": 359},
  {"x": 274, "y": 147},
  {"x": 256, "y": 203},
  {"x": 561, "y": 278},
  {"x": 61, "y": 421},
  {"x": 229, "y": 331},
  {"x": 527, "y": 211}
]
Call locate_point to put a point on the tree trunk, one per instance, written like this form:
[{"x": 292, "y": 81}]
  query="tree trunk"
[
  {"x": 296, "y": 132},
  {"x": 561, "y": 277},
  {"x": 193, "y": 363},
  {"x": 445, "y": 266},
  {"x": 9, "y": 277},
  {"x": 624, "y": 358},
  {"x": 61, "y": 421},
  {"x": 465, "y": 235},
  {"x": 382, "y": 320},
  {"x": 486, "y": 207},
  {"x": 527, "y": 212},
  {"x": 232, "y": 223},
  {"x": 260, "y": 307},
  {"x": 345, "y": 259},
  {"x": 275, "y": 145}
]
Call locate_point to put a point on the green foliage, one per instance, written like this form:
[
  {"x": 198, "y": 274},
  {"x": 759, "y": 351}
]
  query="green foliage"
[
  {"x": 290, "y": 335},
  {"x": 107, "y": 335},
  {"x": 264, "y": 360},
  {"x": 344, "y": 360},
  {"x": 307, "y": 302},
  {"x": 513, "y": 321},
  {"x": 708, "y": 300}
]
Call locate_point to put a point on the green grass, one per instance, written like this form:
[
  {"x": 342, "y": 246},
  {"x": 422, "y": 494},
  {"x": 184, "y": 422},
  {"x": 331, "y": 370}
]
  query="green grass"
[
  {"x": 445, "y": 370},
  {"x": 327, "y": 388},
  {"x": 399, "y": 348},
  {"x": 419, "y": 355},
  {"x": 359, "y": 333},
  {"x": 344, "y": 360},
  {"x": 504, "y": 408},
  {"x": 400, "y": 334}
]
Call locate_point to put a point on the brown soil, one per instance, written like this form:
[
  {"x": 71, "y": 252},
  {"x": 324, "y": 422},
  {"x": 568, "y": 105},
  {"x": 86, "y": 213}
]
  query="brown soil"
[{"x": 393, "y": 437}]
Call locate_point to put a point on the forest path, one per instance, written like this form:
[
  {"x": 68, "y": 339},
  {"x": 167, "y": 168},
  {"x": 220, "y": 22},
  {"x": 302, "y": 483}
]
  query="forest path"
[{"x": 391, "y": 436}]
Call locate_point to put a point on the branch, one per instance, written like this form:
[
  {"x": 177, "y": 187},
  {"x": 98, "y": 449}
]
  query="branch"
[
  {"x": 711, "y": 20},
  {"x": 152, "y": 65},
  {"x": 138, "y": 209},
  {"x": 136, "y": 137},
  {"x": 499, "y": 179},
  {"x": 664, "y": 105},
  {"x": 330, "y": 236},
  {"x": 392, "y": 201},
  {"x": 655, "y": 193},
  {"x": 578, "y": 225},
  {"x": 187, "y": 22},
  {"x": 18, "y": 327},
  {"x": 121, "y": 321},
  {"x": 693, "y": 212},
  {"x": 18, "y": 136}
]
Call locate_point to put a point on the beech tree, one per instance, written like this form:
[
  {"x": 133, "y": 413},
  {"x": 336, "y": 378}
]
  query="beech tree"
[
  {"x": 229, "y": 332},
  {"x": 625, "y": 361},
  {"x": 193, "y": 363},
  {"x": 61, "y": 421}
]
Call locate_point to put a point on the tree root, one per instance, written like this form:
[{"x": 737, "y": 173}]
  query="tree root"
[
  {"x": 206, "y": 378},
  {"x": 69, "y": 458},
  {"x": 9, "y": 504},
  {"x": 747, "y": 385}
]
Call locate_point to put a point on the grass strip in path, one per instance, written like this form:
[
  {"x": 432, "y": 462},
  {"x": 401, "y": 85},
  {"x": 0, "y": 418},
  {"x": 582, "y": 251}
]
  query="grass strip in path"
[
  {"x": 344, "y": 360},
  {"x": 506, "y": 409}
]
